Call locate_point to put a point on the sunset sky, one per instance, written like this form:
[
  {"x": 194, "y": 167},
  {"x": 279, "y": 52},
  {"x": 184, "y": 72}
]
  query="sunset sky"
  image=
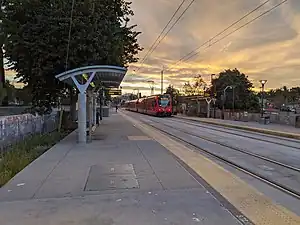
[{"x": 269, "y": 48}]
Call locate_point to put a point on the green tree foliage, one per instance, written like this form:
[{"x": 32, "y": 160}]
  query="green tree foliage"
[
  {"x": 197, "y": 87},
  {"x": 3, "y": 39},
  {"x": 2, "y": 42},
  {"x": 283, "y": 95},
  {"x": 24, "y": 95},
  {"x": 244, "y": 97},
  {"x": 188, "y": 89},
  {"x": 174, "y": 94},
  {"x": 38, "y": 38}
]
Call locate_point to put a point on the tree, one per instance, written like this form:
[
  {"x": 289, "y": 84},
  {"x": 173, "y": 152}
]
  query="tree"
[
  {"x": 2, "y": 42},
  {"x": 24, "y": 95},
  {"x": 174, "y": 94},
  {"x": 241, "y": 92},
  {"x": 3, "y": 38},
  {"x": 38, "y": 38},
  {"x": 188, "y": 89},
  {"x": 197, "y": 87}
]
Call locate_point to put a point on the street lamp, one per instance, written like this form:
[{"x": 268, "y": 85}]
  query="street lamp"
[
  {"x": 224, "y": 97},
  {"x": 138, "y": 92},
  {"x": 151, "y": 83},
  {"x": 263, "y": 82}
]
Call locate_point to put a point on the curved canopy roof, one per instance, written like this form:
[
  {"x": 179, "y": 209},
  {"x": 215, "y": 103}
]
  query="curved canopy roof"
[{"x": 108, "y": 76}]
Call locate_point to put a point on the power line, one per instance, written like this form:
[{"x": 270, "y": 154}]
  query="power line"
[
  {"x": 181, "y": 15},
  {"x": 237, "y": 29},
  {"x": 143, "y": 59},
  {"x": 223, "y": 31},
  {"x": 69, "y": 35}
]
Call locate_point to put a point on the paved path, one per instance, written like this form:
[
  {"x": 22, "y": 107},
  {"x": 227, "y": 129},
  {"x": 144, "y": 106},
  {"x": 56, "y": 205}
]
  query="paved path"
[{"x": 122, "y": 178}]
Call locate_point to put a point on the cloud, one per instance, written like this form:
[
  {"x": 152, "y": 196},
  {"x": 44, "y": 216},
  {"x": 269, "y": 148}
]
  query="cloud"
[{"x": 267, "y": 48}]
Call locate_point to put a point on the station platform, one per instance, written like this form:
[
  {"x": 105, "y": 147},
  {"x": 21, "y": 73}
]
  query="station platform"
[
  {"x": 273, "y": 129},
  {"x": 123, "y": 177}
]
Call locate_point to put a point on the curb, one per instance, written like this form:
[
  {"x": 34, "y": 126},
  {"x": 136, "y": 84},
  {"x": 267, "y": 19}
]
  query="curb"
[{"x": 264, "y": 131}]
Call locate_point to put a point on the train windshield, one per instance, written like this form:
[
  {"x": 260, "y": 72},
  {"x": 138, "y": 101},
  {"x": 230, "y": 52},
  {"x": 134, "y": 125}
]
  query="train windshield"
[{"x": 163, "y": 102}]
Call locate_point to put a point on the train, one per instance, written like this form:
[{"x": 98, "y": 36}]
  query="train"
[{"x": 155, "y": 105}]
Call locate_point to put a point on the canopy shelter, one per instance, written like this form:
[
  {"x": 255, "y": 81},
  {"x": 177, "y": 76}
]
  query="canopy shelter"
[{"x": 91, "y": 78}]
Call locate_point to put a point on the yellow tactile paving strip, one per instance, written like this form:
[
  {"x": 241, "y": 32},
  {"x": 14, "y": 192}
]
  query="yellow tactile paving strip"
[
  {"x": 253, "y": 204},
  {"x": 138, "y": 138}
]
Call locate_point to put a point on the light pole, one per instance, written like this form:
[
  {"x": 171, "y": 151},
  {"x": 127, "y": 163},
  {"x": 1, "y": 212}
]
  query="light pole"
[
  {"x": 263, "y": 82},
  {"x": 213, "y": 92},
  {"x": 138, "y": 92},
  {"x": 151, "y": 83},
  {"x": 162, "y": 81},
  {"x": 224, "y": 97}
]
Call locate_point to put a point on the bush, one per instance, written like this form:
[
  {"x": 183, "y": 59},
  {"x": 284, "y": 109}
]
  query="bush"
[{"x": 17, "y": 157}]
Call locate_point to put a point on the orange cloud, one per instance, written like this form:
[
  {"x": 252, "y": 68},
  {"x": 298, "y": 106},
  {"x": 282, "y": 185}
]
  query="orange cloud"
[{"x": 267, "y": 49}]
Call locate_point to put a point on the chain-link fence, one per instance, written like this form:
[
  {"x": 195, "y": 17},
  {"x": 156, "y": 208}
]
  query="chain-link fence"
[{"x": 15, "y": 128}]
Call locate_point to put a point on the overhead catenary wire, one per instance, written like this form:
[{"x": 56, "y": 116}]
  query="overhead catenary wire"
[
  {"x": 196, "y": 52},
  {"x": 239, "y": 28},
  {"x": 69, "y": 35},
  {"x": 163, "y": 30},
  {"x": 181, "y": 15},
  {"x": 223, "y": 31}
]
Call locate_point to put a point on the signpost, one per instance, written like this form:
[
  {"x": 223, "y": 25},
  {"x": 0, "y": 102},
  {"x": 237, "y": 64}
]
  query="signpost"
[{"x": 115, "y": 92}]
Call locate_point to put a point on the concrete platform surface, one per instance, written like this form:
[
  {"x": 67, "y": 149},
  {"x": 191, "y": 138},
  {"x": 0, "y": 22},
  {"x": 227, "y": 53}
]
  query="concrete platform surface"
[{"x": 122, "y": 177}]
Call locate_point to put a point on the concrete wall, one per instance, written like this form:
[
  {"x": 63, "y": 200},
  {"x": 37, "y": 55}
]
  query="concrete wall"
[
  {"x": 284, "y": 118},
  {"x": 12, "y": 110},
  {"x": 194, "y": 109}
]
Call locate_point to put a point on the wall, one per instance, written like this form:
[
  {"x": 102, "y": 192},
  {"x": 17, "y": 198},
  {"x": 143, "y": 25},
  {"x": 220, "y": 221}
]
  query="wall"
[
  {"x": 15, "y": 128},
  {"x": 284, "y": 118},
  {"x": 12, "y": 110}
]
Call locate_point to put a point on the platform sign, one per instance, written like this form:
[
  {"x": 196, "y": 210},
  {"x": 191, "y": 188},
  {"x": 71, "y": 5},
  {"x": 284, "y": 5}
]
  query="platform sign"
[{"x": 115, "y": 92}]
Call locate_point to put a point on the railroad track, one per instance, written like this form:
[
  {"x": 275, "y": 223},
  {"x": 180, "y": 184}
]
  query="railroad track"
[
  {"x": 284, "y": 188},
  {"x": 225, "y": 130}
]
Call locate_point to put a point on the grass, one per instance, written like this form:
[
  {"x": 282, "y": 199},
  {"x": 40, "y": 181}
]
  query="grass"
[{"x": 18, "y": 156}]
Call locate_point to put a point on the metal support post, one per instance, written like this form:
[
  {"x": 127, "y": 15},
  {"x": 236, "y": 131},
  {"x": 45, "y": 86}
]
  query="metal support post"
[
  {"x": 94, "y": 109},
  {"x": 208, "y": 101},
  {"x": 82, "y": 107},
  {"x": 82, "y": 117},
  {"x": 262, "y": 100},
  {"x": 90, "y": 115},
  {"x": 162, "y": 82}
]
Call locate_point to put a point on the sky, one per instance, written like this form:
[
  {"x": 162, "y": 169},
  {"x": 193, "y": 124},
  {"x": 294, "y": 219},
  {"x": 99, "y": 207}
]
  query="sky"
[{"x": 268, "y": 48}]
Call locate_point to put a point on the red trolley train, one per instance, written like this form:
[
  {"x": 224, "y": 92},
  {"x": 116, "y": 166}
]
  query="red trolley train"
[{"x": 157, "y": 105}]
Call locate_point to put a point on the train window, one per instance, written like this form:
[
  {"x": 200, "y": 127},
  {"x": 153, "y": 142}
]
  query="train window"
[{"x": 163, "y": 102}]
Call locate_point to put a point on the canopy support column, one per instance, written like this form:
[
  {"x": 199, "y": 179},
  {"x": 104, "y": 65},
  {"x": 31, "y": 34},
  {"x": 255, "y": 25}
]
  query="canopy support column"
[
  {"x": 82, "y": 107},
  {"x": 94, "y": 108},
  {"x": 82, "y": 117}
]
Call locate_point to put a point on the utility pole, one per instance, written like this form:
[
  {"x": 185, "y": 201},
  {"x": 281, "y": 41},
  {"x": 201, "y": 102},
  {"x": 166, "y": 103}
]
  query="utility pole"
[
  {"x": 162, "y": 81},
  {"x": 263, "y": 82},
  {"x": 213, "y": 92}
]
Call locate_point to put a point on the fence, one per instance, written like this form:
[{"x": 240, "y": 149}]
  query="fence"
[{"x": 15, "y": 128}]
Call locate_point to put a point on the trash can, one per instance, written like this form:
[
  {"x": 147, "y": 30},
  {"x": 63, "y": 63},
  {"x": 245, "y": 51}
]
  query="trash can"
[
  {"x": 245, "y": 117},
  {"x": 267, "y": 120},
  {"x": 264, "y": 120},
  {"x": 105, "y": 111},
  {"x": 297, "y": 122}
]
